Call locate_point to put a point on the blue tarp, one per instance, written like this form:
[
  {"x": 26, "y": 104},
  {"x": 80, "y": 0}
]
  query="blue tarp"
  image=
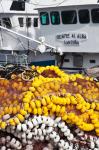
[{"x": 44, "y": 63}]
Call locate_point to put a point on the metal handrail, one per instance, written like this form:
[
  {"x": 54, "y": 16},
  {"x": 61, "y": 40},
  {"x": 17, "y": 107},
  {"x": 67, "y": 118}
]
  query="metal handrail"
[{"x": 13, "y": 59}]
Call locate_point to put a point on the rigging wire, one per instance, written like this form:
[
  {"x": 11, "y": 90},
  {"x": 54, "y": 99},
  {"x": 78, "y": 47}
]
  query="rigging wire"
[
  {"x": 1, "y": 29},
  {"x": 23, "y": 42},
  {"x": 27, "y": 31},
  {"x": 1, "y": 38},
  {"x": 47, "y": 5},
  {"x": 37, "y": 4}
]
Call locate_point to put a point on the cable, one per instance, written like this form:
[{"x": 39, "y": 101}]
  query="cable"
[
  {"x": 61, "y": 3},
  {"x": 19, "y": 41},
  {"x": 36, "y": 4},
  {"x": 23, "y": 42},
  {"x": 27, "y": 32},
  {"x": 1, "y": 37}
]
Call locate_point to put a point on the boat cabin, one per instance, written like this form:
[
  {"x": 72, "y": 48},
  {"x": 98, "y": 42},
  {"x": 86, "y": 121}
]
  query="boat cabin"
[{"x": 73, "y": 26}]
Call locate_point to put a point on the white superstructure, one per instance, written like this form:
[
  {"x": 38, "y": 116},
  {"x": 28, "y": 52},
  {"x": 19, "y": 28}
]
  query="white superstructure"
[{"x": 73, "y": 26}]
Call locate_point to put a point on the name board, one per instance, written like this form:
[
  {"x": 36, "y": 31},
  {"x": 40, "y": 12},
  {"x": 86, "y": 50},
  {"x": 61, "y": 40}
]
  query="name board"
[{"x": 72, "y": 39}]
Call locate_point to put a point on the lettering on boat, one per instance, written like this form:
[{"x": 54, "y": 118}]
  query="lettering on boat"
[{"x": 72, "y": 39}]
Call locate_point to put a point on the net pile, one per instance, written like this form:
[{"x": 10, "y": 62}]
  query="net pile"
[{"x": 44, "y": 108}]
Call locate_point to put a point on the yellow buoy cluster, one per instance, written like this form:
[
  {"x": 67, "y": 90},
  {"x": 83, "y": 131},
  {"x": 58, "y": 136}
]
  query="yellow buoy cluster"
[
  {"x": 72, "y": 109},
  {"x": 74, "y": 98}
]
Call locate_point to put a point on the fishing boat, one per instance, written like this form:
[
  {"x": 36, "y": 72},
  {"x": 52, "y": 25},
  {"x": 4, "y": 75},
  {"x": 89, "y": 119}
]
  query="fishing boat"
[{"x": 67, "y": 32}]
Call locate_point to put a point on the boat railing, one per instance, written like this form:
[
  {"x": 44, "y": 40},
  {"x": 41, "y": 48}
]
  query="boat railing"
[{"x": 13, "y": 59}]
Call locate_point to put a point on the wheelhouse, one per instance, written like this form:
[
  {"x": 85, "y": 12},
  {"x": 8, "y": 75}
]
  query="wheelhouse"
[{"x": 73, "y": 26}]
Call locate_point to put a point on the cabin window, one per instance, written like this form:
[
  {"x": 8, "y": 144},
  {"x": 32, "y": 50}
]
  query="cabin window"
[
  {"x": 55, "y": 17},
  {"x": 84, "y": 16},
  {"x": 92, "y": 61},
  {"x": 66, "y": 60},
  {"x": 28, "y": 22},
  {"x": 95, "y": 15},
  {"x": 7, "y": 22},
  {"x": 69, "y": 17},
  {"x": 21, "y": 23},
  {"x": 44, "y": 18},
  {"x": 18, "y": 6},
  {"x": 0, "y": 23},
  {"x": 35, "y": 23}
]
